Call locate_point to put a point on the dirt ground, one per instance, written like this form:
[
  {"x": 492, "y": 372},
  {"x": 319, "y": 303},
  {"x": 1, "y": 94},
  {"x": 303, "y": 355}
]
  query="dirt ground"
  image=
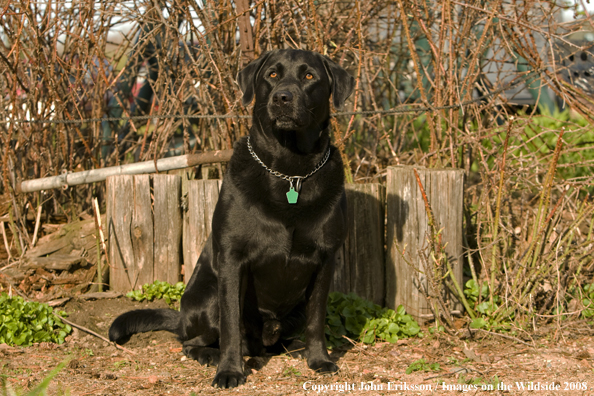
[{"x": 556, "y": 359}]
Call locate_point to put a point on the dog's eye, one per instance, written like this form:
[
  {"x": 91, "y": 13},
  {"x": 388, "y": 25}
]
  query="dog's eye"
[
  {"x": 273, "y": 75},
  {"x": 309, "y": 76}
]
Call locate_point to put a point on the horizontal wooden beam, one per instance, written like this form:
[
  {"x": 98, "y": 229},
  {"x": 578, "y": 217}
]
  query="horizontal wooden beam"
[{"x": 96, "y": 175}]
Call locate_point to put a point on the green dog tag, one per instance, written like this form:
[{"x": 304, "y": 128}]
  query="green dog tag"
[{"x": 292, "y": 195}]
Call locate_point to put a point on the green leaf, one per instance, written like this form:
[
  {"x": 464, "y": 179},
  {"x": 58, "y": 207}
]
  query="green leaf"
[
  {"x": 486, "y": 308},
  {"x": 393, "y": 328},
  {"x": 334, "y": 320},
  {"x": 347, "y": 312},
  {"x": 478, "y": 323},
  {"x": 392, "y": 339}
]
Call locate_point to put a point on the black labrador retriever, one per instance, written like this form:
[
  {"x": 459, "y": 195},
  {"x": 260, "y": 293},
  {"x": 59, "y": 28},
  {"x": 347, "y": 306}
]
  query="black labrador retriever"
[{"x": 264, "y": 274}]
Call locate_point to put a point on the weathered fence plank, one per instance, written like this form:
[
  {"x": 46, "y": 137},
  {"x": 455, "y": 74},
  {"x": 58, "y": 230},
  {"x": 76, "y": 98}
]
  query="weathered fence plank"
[
  {"x": 360, "y": 262},
  {"x": 407, "y": 231},
  {"x": 202, "y": 198},
  {"x": 144, "y": 233},
  {"x": 187, "y": 175},
  {"x": 168, "y": 228},
  {"x": 120, "y": 204}
]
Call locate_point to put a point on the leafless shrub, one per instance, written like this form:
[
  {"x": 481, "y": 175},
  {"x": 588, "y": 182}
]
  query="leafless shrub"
[{"x": 438, "y": 77}]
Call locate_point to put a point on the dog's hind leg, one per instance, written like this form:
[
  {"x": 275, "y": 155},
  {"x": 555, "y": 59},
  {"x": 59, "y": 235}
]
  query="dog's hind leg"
[{"x": 197, "y": 349}]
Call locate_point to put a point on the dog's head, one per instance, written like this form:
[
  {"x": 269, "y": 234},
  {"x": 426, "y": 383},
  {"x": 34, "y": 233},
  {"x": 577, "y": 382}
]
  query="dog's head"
[{"x": 292, "y": 90}]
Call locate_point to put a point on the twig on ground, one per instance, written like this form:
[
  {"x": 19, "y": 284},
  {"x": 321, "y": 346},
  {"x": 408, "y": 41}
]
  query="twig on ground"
[
  {"x": 9, "y": 265},
  {"x": 17, "y": 290},
  {"x": 460, "y": 370},
  {"x": 5, "y": 240},
  {"x": 91, "y": 332},
  {"x": 358, "y": 347},
  {"x": 99, "y": 295},
  {"x": 355, "y": 345},
  {"x": 58, "y": 302},
  {"x": 506, "y": 336}
]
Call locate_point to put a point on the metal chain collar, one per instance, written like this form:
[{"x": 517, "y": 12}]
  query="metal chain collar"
[{"x": 290, "y": 179}]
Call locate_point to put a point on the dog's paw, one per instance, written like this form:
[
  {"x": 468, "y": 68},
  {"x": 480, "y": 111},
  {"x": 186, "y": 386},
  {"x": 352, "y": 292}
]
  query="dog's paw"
[
  {"x": 228, "y": 379},
  {"x": 323, "y": 367},
  {"x": 204, "y": 355}
]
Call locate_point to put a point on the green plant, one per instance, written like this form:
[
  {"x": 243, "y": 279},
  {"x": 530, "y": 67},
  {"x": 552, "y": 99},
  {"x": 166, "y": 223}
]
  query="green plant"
[
  {"x": 484, "y": 307},
  {"x": 494, "y": 382},
  {"x": 462, "y": 379},
  {"x": 120, "y": 364},
  {"x": 354, "y": 317},
  {"x": 439, "y": 329},
  {"x": 586, "y": 294},
  {"x": 40, "y": 389},
  {"x": 538, "y": 135},
  {"x": 471, "y": 291},
  {"x": 542, "y": 130},
  {"x": 291, "y": 371},
  {"x": 532, "y": 262},
  {"x": 456, "y": 362},
  {"x": 25, "y": 322},
  {"x": 422, "y": 365},
  {"x": 588, "y": 302},
  {"x": 159, "y": 290}
]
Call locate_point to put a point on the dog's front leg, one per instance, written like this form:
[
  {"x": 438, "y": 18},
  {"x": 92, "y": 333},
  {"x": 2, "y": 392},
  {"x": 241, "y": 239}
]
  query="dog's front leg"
[
  {"x": 315, "y": 341},
  {"x": 230, "y": 370}
]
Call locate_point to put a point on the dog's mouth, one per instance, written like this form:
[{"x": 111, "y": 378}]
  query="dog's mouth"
[{"x": 286, "y": 122}]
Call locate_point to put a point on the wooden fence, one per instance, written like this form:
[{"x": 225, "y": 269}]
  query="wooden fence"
[
  {"x": 144, "y": 229},
  {"x": 158, "y": 226}
]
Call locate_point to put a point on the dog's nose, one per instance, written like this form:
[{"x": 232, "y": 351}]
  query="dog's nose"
[{"x": 281, "y": 97}]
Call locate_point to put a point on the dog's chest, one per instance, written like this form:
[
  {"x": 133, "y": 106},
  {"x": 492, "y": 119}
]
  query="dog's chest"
[
  {"x": 288, "y": 248},
  {"x": 283, "y": 270},
  {"x": 281, "y": 285}
]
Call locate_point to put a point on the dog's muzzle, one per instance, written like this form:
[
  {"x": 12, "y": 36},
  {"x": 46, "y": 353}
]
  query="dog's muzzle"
[{"x": 283, "y": 108}]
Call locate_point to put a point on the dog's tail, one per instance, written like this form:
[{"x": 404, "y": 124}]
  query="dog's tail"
[{"x": 143, "y": 320}]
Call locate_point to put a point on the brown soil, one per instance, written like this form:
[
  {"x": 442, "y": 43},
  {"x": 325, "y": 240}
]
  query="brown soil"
[{"x": 560, "y": 358}]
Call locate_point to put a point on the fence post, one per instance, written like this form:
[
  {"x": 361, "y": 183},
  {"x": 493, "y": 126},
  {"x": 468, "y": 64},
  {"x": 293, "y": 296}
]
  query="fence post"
[
  {"x": 202, "y": 199},
  {"x": 407, "y": 231},
  {"x": 360, "y": 262}
]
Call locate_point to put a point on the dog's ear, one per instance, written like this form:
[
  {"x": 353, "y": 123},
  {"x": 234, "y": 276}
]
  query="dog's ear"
[
  {"x": 341, "y": 82},
  {"x": 246, "y": 78}
]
